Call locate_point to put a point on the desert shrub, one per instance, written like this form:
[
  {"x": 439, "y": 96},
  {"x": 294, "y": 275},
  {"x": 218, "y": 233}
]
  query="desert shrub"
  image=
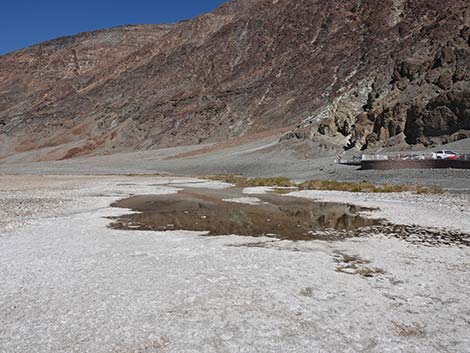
[
  {"x": 333, "y": 185},
  {"x": 253, "y": 182},
  {"x": 429, "y": 190},
  {"x": 365, "y": 186}
]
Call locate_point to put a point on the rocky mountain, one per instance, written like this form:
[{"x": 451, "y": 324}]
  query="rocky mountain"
[{"x": 361, "y": 74}]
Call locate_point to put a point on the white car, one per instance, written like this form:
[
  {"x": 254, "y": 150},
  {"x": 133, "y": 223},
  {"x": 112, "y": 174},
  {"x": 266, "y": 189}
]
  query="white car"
[{"x": 445, "y": 155}]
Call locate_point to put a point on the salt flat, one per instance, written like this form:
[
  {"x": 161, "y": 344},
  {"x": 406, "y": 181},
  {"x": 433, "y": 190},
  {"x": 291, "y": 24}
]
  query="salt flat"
[{"x": 69, "y": 283}]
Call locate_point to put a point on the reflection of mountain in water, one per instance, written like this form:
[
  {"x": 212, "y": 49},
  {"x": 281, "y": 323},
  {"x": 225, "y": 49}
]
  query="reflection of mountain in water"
[{"x": 285, "y": 217}]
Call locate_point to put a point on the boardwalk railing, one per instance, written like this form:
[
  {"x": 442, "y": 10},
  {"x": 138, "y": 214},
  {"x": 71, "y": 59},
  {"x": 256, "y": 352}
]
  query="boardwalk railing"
[
  {"x": 406, "y": 157},
  {"x": 464, "y": 157},
  {"x": 358, "y": 159}
]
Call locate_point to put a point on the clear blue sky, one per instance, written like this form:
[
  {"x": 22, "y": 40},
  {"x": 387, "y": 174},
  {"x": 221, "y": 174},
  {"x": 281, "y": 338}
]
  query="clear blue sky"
[{"x": 27, "y": 22}]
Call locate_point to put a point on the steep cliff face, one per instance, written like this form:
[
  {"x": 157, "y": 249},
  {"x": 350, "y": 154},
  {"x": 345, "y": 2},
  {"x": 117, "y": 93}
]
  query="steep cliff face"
[
  {"x": 356, "y": 73},
  {"x": 43, "y": 103},
  {"x": 416, "y": 94}
]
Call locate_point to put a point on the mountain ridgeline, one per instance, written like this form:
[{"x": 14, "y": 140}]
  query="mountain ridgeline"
[{"x": 363, "y": 74}]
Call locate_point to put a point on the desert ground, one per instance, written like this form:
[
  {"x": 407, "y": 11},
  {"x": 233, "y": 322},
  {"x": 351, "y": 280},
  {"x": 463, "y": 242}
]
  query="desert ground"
[
  {"x": 71, "y": 283},
  {"x": 263, "y": 157}
]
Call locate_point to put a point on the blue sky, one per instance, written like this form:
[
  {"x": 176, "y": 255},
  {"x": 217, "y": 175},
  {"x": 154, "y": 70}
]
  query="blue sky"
[{"x": 27, "y": 22}]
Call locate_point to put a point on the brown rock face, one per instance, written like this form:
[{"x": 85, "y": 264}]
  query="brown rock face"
[
  {"x": 418, "y": 93},
  {"x": 347, "y": 73},
  {"x": 444, "y": 118}
]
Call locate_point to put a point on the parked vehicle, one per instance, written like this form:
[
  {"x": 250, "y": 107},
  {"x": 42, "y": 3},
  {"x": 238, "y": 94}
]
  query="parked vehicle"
[{"x": 445, "y": 155}]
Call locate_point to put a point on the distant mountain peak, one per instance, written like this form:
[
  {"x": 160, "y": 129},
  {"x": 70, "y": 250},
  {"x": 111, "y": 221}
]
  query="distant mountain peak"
[{"x": 344, "y": 74}]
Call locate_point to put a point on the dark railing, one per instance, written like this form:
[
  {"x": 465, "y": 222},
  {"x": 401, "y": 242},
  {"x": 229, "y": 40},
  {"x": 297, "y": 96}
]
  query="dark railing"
[
  {"x": 409, "y": 156},
  {"x": 406, "y": 160},
  {"x": 464, "y": 157}
]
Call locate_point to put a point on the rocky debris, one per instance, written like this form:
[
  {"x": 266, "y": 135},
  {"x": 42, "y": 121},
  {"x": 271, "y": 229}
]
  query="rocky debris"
[
  {"x": 422, "y": 236},
  {"x": 355, "y": 265},
  {"x": 348, "y": 74}
]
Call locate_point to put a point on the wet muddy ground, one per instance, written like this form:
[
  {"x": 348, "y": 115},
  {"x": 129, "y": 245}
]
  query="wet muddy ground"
[{"x": 227, "y": 212}]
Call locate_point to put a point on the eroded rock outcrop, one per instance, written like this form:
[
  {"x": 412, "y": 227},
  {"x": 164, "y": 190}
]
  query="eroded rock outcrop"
[{"x": 418, "y": 94}]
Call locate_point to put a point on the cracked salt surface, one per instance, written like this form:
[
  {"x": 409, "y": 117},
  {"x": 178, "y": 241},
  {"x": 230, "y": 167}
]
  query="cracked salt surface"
[{"x": 71, "y": 284}]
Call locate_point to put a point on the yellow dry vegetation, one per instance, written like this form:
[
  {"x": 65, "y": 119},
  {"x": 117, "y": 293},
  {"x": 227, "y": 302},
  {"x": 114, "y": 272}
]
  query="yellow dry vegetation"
[{"x": 332, "y": 185}]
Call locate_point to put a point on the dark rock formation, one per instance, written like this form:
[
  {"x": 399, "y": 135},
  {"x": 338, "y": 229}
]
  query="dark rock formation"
[
  {"x": 363, "y": 73},
  {"x": 445, "y": 118},
  {"x": 418, "y": 94}
]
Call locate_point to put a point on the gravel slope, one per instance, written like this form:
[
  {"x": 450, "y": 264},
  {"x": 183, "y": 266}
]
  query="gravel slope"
[{"x": 256, "y": 159}]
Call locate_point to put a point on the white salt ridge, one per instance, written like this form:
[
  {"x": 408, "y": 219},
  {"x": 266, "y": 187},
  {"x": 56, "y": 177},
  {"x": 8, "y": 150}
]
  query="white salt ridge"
[{"x": 245, "y": 200}]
